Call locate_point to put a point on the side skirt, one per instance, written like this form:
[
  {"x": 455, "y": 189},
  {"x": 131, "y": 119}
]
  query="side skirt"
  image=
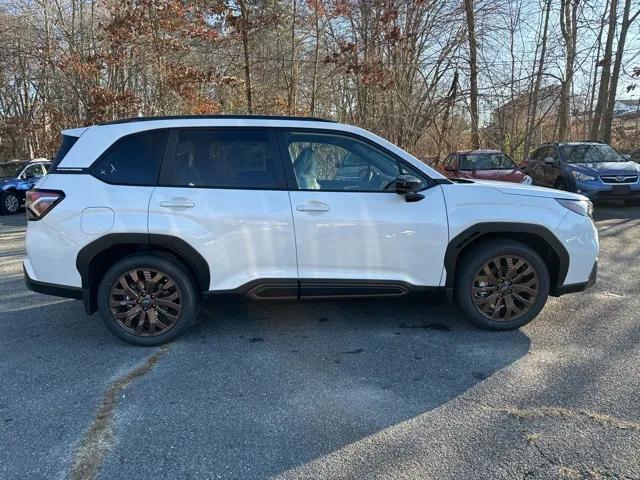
[{"x": 294, "y": 289}]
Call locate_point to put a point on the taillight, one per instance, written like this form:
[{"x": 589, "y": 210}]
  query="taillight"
[{"x": 40, "y": 202}]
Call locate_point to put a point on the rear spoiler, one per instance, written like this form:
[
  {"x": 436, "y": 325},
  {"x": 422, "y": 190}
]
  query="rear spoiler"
[{"x": 74, "y": 132}]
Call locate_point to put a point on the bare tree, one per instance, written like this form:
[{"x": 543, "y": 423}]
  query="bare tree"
[
  {"x": 605, "y": 76},
  {"x": 569, "y": 10},
  {"x": 607, "y": 119},
  {"x": 532, "y": 111},
  {"x": 293, "y": 87},
  {"x": 473, "y": 72},
  {"x": 244, "y": 32}
]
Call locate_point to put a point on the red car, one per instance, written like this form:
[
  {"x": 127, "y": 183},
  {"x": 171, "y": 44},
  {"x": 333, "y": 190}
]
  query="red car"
[{"x": 485, "y": 165}]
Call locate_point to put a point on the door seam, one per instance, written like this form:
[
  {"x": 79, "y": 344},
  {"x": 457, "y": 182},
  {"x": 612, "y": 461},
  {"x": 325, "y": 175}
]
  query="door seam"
[{"x": 295, "y": 240}]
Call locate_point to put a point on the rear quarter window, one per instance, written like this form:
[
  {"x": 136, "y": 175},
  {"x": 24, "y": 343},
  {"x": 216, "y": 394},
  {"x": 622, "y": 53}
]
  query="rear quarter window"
[
  {"x": 132, "y": 160},
  {"x": 67, "y": 142}
]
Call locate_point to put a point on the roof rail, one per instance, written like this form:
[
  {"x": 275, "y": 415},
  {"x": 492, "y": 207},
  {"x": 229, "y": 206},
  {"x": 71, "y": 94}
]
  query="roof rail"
[{"x": 199, "y": 117}]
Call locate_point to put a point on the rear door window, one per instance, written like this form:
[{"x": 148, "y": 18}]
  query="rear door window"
[
  {"x": 132, "y": 160},
  {"x": 239, "y": 158}
]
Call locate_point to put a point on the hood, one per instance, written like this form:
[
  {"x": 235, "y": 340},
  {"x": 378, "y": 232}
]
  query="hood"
[
  {"x": 7, "y": 179},
  {"x": 598, "y": 168},
  {"x": 506, "y": 175},
  {"x": 531, "y": 190}
]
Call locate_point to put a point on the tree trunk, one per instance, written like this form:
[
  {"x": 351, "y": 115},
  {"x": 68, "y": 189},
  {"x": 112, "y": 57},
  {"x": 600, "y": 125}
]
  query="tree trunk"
[
  {"x": 245, "y": 49},
  {"x": 611, "y": 100},
  {"x": 473, "y": 76},
  {"x": 594, "y": 81},
  {"x": 569, "y": 28},
  {"x": 291, "y": 106},
  {"x": 533, "y": 109},
  {"x": 316, "y": 54},
  {"x": 606, "y": 73}
]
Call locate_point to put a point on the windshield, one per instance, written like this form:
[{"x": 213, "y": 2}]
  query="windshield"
[
  {"x": 486, "y": 161},
  {"x": 590, "y": 153},
  {"x": 10, "y": 169}
]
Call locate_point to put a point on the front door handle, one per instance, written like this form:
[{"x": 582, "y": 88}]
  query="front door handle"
[
  {"x": 313, "y": 206},
  {"x": 177, "y": 202}
]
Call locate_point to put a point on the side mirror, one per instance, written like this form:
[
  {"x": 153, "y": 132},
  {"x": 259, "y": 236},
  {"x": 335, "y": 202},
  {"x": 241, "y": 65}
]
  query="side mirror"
[
  {"x": 408, "y": 185},
  {"x": 549, "y": 161}
]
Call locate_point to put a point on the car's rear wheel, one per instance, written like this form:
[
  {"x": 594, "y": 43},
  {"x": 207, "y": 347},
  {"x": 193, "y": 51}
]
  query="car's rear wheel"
[
  {"x": 147, "y": 300},
  {"x": 502, "y": 285},
  {"x": 9, "y": 203}
]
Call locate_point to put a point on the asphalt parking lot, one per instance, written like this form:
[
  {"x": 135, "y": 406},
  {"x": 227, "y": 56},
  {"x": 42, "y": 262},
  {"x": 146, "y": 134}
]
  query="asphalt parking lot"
[{"x": 353, "y": 389}]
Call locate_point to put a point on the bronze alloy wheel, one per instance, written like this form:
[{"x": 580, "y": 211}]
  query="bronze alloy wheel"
[
  {"x": 145, "y": 302},
  {"x": 505, "y": 288}
]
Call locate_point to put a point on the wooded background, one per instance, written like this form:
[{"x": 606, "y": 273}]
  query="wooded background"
[{"x": 430, "y": 75}]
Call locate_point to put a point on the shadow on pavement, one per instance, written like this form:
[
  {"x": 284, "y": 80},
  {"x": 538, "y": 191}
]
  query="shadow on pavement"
[{"x": 256, "y": 389}]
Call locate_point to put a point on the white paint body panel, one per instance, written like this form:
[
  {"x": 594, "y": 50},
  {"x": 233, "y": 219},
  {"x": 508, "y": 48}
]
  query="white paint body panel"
[
  {"x": 374, "y": 236},
  {"x": 246, "y": 235},
  {"x": 243, "y": 235},
  {"x": 469, "y": 204},
  {"x": 54, "y": 241}
]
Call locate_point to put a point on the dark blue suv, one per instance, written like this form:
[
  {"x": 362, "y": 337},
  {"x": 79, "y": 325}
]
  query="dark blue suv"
[
  {"x": 593, "y": 169},
  {"x": 16, "y": 178}
]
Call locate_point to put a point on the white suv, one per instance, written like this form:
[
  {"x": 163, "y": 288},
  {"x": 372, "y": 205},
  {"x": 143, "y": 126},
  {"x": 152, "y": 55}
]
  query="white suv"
[{"x": 140, "y": 218}]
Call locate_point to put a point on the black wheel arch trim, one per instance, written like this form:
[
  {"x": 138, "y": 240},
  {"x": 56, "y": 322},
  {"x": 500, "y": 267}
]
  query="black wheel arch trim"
[
  {"x": 175, "y": 245},
  {"x": 458, "y": 243}
]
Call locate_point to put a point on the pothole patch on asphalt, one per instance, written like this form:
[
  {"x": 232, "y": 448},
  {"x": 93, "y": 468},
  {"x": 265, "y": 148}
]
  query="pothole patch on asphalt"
[{"x": 100, "y": 437}]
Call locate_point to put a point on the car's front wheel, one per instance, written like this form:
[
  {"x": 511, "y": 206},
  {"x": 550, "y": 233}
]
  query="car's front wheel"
[
  {"x": 148, "y": 299},
  {"x": 502, "y": 285},
  {"x": 9, "y": 203}
]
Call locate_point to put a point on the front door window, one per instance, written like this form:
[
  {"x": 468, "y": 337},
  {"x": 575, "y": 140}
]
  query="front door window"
[{"x": 333, "y": 162}]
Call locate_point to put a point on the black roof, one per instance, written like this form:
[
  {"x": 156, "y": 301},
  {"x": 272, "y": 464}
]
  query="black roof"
[{"x": 197, "y": 117}]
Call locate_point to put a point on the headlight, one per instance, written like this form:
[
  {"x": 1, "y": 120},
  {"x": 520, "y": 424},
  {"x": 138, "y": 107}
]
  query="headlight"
[
  {"x": 582, "y": 177},
  {"x": 581, "y": 207},
  {"x": 526, "y": 180}
]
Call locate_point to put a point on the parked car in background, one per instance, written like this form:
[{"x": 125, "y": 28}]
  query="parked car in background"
[
  {"x": 593, "y": 169},
  {"x": 485, "y": 165},
  {"x": 143, "y": 217},
  {"x": 16, "y": 177}
]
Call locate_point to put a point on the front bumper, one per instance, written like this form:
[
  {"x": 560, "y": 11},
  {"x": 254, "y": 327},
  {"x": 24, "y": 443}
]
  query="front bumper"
[
  {"x": 577, "y": 287},
  {"x": 608, "y": 191}
]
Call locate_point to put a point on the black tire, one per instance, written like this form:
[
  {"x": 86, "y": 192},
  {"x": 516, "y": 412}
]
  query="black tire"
[
  {"x": 632, "y": 202},
  {"x": 471, "y": 265},
  {"x": 185, "y": 286},
  {"x": 9, "y": 203}
]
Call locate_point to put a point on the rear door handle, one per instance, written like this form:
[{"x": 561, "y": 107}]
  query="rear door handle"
[
  {"x": 313, "y": 206},
  {"x": 177, "y": 202}
]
